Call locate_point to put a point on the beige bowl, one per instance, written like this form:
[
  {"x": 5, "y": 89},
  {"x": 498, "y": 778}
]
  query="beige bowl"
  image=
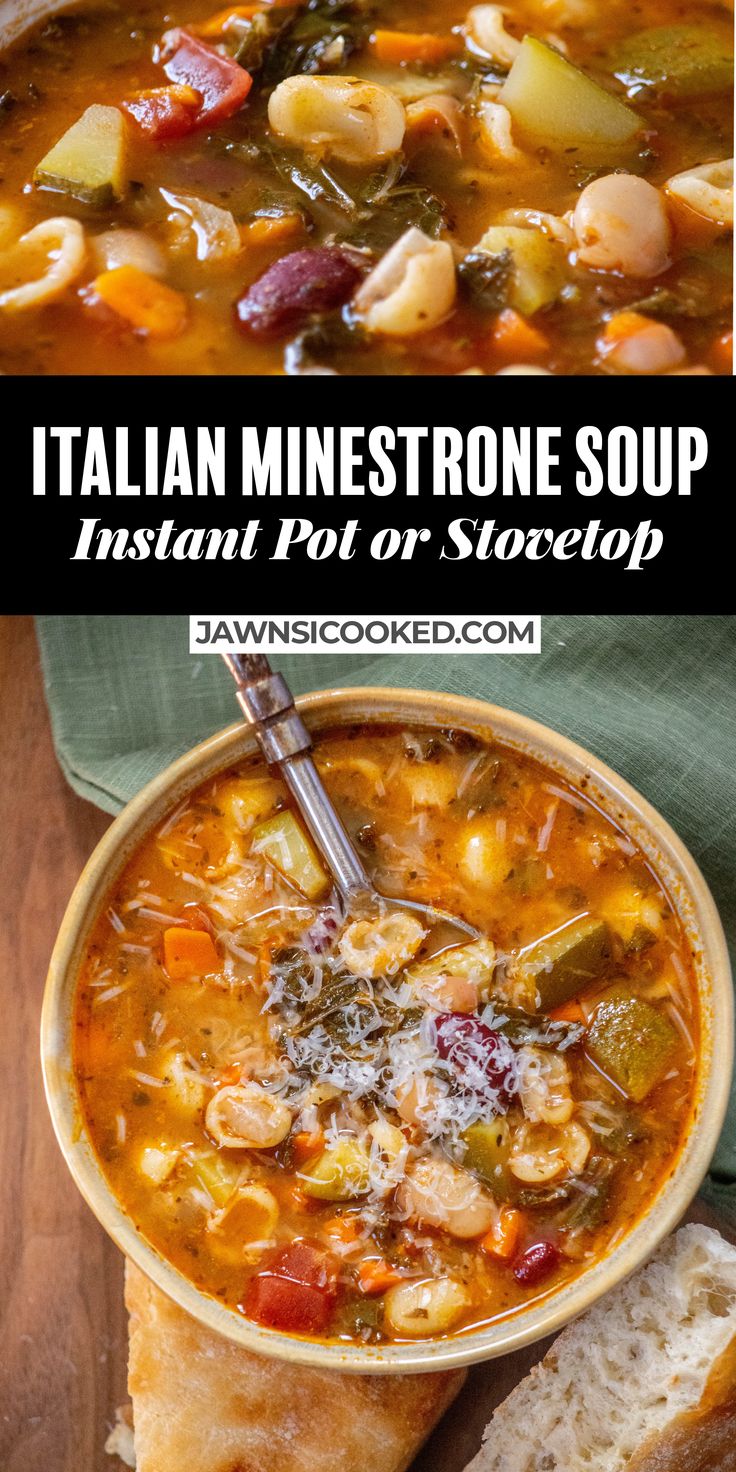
[{"x": 662, "y": 847}]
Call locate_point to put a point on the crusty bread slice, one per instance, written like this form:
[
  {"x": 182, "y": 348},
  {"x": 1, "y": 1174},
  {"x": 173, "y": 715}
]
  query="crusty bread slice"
[
  {"x": 618, "y": 1378},
  {"x": 202, "y": 1404}
]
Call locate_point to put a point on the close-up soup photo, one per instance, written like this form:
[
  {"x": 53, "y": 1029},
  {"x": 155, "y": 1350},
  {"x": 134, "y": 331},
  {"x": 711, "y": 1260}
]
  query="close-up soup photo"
[
  {"x": 387, "y": 1049},
  {"x": 358, "y": 187}
]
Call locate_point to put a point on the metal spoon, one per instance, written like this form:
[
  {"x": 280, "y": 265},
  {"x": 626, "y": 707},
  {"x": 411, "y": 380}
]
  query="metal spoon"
[{"x": 268, "y": 706}]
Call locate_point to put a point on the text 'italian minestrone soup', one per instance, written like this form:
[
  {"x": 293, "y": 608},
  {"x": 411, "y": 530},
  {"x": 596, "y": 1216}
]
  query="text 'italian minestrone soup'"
[{"x": 365, "y": 187}]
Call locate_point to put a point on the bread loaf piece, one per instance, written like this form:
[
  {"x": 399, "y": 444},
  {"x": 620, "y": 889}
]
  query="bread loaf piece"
[
  {"x": 203, "y": 1404},
  {"x": 645, "y": 1367}
]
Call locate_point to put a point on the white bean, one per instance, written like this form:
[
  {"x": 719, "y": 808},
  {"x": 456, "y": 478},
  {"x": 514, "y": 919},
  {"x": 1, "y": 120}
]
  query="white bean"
[
  {"x": 708, "y": 190},
  {"x": 41, "y": 264},
  {"x": 423, "y": 1309},
  {"x": 442, "y": 1195},
  {"x": 345, "y": 117},
  {"x": 620, "y": 223},
  {"x": 411, "y": 290},
  {"x": 245, "y": 1116},
  {"x": 115, "y": 248},
  {"x": 516, "y": 369},
  {"x": 652, "y": 348}
]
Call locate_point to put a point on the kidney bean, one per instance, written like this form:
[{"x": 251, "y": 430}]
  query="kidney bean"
[
  {"x": 482, "y": 1058},
  {"x": 536, "y": 1263},
  {"x": 303, "y": 282}
]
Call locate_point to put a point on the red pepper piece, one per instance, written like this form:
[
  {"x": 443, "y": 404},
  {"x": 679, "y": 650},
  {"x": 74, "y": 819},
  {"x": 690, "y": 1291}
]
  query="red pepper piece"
[
  {"x": 296, "y": 1292},
  {"x": 223, "y": 84},
  {"x": 165, "y": 112},
  {"x": 536, "y": 1263}
]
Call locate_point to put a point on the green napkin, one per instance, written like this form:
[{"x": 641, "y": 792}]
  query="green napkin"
[{"x": 653, "y": 697}]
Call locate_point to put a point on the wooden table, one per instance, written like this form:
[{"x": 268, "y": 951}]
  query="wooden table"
[{"x": 63, "y": 1342}]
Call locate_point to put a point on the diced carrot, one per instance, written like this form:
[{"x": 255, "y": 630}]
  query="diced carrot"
[
  {"x": 229, "y": 1075},
  {"x": 375, "y": 1275},
  {"x": 502, "y": 1240},
  {"x": 516, "y": 339},
  {"x": 223, "y": 20},
  {"x": 623, "y": 325},
  {"x": 306, "y": 1143},
  {"x": 568, "y": 1012},
  {"x": 189, "y": 952},
  {"x": 398, "y": 46},
  {"x": 145, "y": 304},
  {"x": 271, "y": 230},
  {"x": 299, "y": 1199},
  {"x": 722, "y": 353},
  {"x": 342, "y": 1228}
]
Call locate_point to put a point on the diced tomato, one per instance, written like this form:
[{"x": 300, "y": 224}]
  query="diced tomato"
[
  {"x": 280, "y": 1303},
  {"x": 296, "y": 1292},
  {"x": 195, "y": 917},
  {"x": 223, "y": 84},
  {"x": 165, "y": 112}
]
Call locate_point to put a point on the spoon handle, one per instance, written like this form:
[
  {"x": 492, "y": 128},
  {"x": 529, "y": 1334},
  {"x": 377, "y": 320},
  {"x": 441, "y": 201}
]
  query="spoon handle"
[{"x": 268, "y": 706}]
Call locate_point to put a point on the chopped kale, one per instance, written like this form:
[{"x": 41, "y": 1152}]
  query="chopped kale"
[{"x": 484, "y": 279}]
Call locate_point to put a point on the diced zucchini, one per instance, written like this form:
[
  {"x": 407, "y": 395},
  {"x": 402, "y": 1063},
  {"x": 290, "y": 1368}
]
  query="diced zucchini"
[
  {"x": 217, "y": 1176},
  {"x": 554, "y": 102},
  {"x": 679, "y": 61},
  {"x": 284, "y": 843},
  {"x": 537, "y": 265},
  {"x": 487, "y": 1148},
  {"x": 338, "y": 1174},
  {"x": 632, "y": 1043},
  {"x": 562, "y": 965},
  {"x": 89, "y": 161}
]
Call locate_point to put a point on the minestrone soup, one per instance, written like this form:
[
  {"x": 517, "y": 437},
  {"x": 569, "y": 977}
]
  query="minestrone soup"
[
  {"x": 338, "y": 1129},
  {"x": 365, "y": 187}
]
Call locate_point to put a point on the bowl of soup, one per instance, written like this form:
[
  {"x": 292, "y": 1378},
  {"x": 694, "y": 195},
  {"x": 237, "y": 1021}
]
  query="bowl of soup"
[
  {"x": 346, "y": 1141},
  {"x": 363, "y": 187}
]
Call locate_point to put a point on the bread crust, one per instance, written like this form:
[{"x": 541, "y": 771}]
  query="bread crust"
[{"x": 203, "y": 1404}]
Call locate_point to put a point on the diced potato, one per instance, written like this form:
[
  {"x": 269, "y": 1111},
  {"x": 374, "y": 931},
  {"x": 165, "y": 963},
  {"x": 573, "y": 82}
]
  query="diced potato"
[
  {"x": 551, "y": 100},
  {"x": 388, "y": 1137},
  {"x": 560, "y": 966},
  {"x": 483, "y": 856},
  {"x": 418, "y": 1310},
  {"x": 157, "y": 1162},
  {"x": 89, "y": 161},
  {"x": 184, "y": 1090},
  {"x": 283, "y": 841},
  {"x": 340, "y": 1173},
  {"x": 430, "y": 785},
  {"x": 487, "y": 1146},
  {"x": 632, "y": 1043},
  {"x": 538, "y": 267},
  {"x": 246, "y": 800},
  {"x": 627, "y": 910}
]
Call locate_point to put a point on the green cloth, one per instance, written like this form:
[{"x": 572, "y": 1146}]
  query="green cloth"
[{"x": 651, "y": 696}]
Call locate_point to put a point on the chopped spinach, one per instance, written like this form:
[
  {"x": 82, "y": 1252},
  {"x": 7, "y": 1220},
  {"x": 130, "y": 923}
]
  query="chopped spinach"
[
  {"x": 485, "y": 279},
  {"x": 590, "y": 1200},
  {"x": 303, "y": 44},
  {"x": 318, "y": 347}
]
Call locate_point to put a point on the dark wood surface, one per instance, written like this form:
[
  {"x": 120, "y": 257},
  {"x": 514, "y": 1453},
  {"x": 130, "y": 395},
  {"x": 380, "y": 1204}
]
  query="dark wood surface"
[{"x": 63, "y": 1344}]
